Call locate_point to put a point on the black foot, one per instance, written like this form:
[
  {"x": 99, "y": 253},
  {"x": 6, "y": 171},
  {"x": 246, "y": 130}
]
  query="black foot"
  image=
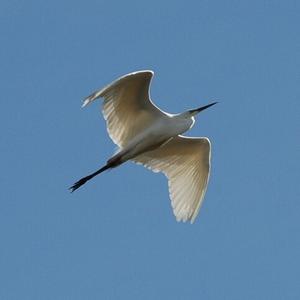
[{"x": 79, "y": 183}]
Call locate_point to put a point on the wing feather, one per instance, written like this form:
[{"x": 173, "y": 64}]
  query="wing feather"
[
  {"x": 127, "y": 107},
  {"x": 186, "y": 163}
]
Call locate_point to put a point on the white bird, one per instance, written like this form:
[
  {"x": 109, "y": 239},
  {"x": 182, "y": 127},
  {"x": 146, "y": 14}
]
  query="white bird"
[{"x": 146, "y": 135}]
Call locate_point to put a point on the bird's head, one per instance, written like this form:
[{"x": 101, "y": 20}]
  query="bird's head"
[
  {"x": 188, "y": 117},
  {"x": 193, "y": 112}
]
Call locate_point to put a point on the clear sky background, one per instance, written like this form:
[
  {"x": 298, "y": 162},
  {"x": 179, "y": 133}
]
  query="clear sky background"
[{"x": 116, "y": 237}]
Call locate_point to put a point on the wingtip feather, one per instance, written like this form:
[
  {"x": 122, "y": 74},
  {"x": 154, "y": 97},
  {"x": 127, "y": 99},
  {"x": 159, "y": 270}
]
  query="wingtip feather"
[{"x": 85, "y": 102}]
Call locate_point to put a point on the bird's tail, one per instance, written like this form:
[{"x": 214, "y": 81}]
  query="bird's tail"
[{"x": 83, "y": 180}]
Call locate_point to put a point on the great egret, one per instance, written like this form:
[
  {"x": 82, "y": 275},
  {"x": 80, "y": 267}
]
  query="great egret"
[{"x": 146, "y": 135}]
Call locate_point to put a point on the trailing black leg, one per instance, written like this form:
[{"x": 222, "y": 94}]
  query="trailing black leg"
[{"x": 83, "y": 180}]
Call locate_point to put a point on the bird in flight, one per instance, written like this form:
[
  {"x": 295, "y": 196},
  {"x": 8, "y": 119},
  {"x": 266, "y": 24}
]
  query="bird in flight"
[{"x": 151, "y": 137}]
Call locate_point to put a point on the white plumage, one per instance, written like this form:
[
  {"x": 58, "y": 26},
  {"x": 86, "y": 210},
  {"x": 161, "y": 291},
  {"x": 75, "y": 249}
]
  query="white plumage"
[
  {"x": 151, "y": 137},
  {"x": 185, "y": 161}
]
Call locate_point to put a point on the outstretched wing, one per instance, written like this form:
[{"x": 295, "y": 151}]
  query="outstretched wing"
[
  {"x": 186, "y": 163},
  {"x": 127, "y": 107}
]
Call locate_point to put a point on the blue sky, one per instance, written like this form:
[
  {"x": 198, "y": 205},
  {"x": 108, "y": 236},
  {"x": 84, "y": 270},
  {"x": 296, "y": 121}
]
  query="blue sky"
[{"x": 116, "y": 237}]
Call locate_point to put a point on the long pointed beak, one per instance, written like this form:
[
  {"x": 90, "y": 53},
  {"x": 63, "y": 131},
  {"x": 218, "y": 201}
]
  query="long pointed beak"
[{"x": 197, "y": 110}]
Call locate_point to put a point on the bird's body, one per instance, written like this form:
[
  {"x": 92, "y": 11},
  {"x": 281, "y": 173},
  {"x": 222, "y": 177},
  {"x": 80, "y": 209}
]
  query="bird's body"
[
  {"x": 151, "y": 137},
  {"x": 160, "y": 131}
]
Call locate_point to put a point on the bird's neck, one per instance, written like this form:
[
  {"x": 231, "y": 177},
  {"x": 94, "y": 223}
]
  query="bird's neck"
[{"x": 181, "y": 125}]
